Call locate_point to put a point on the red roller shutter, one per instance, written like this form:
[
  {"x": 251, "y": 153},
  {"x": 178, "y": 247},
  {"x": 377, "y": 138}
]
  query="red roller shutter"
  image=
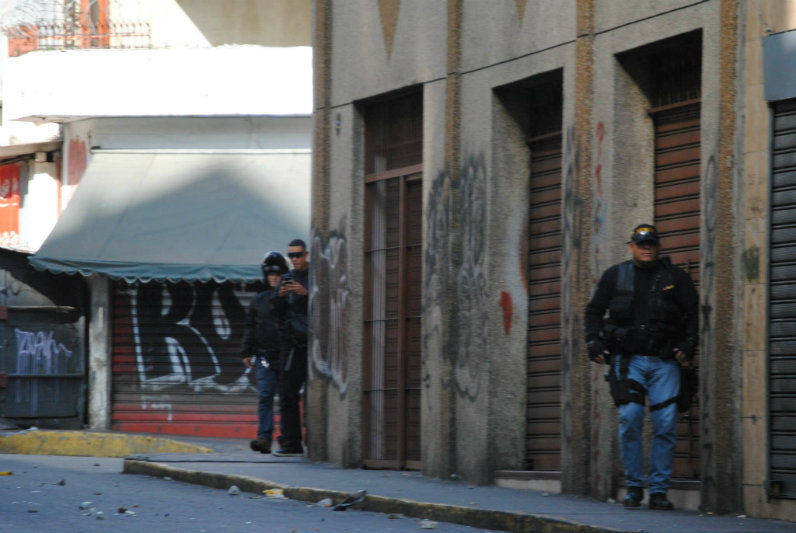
[
  {"x": 543, "y": 411},
  {"x": 176, "y": 367},
  {"x": 677, "y": 212}
]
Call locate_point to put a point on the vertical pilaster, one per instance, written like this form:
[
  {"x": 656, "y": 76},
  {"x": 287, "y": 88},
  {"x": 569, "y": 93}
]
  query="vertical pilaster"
[
  {"x": 719, "y": 405},
  {"x": 454, "y": 253},
  {"x": 576, "y": 271},
  {"x": 317, "y": 387},
  {"x": 99, "y": 353}
]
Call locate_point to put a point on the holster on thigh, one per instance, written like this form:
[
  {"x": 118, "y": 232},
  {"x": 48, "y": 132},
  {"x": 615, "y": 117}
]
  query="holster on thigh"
[{"x": 624, "y": 390}]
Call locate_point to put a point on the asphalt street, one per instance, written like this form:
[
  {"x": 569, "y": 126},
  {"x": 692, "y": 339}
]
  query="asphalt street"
[{"x": 86, "y": 494}]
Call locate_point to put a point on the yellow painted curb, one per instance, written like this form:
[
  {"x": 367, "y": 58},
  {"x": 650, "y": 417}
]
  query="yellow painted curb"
[{"x": 92, "y": 444}]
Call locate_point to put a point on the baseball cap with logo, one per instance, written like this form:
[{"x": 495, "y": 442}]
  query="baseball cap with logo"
[{"x": 645, "y": 233}]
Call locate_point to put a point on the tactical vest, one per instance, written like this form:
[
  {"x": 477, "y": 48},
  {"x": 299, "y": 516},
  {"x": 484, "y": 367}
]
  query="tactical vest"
[{"x": 665, "y": 320}]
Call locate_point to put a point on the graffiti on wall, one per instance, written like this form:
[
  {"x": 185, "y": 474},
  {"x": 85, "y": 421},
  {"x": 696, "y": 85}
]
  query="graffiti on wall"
[
  {"x": 188, "y": 335},
  {"x": 39, "y": 353},
  {"x": 465, "y": 348},
  {"x": 435, "y": 280},
  {"x": 571, "y": 252},
  {"x": 328, "y": 301},
  {"x": 597, "y": 371},
  {"x": 707, "y": 335},
  {"x": 77, "y": 161},
  {"x": 599, "y": 206},
  {"x": 507, "y": 304},
  {"x": 9, "y": 205}
]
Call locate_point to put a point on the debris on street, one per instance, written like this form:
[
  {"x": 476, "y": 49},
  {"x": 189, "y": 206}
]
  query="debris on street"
[
  {"x": 274, "y": 493},
  {"x": 428, "y": 524},
  {"x": 326, "y": 502},
  {"x": 233, "y": 490},
  {"x": 359, "y": 497}
]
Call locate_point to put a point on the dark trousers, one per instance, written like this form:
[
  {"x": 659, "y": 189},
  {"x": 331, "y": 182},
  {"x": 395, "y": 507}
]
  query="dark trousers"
[
  {"x": 267, "y": 379},
  {"x": 292, "y": 378}
]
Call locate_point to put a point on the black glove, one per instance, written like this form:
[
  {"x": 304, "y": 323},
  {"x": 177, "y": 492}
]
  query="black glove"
[
  {"x": 596, "y": 348},
  {"x": 688, "y": 347}
]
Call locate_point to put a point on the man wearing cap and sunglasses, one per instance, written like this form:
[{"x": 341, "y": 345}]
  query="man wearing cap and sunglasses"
[
  {"x": 291, "y": 306},
  {"x": 651, "y": 329}
]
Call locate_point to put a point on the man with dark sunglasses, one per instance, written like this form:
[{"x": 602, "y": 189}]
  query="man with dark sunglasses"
[
  {"x": 651, "y": 329},
  {"x": 291, "y": 306}
]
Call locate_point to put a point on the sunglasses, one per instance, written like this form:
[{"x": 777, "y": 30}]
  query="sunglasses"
[{"x": 295, "y": 255}]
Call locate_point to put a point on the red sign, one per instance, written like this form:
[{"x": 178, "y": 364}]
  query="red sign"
[{"x": 9, "y": 205}]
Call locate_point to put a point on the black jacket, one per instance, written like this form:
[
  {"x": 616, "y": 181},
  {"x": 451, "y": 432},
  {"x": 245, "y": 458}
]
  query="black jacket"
[
  {"x": 264, "y": 331},
  {"x": 292, "y": 308},
  {"x": 684, "y": 295}
]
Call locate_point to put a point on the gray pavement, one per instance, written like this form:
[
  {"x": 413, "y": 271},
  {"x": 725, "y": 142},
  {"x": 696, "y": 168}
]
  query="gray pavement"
[
  {"x": 31, "y": 500},
  {"x": 234, "y": 458}
]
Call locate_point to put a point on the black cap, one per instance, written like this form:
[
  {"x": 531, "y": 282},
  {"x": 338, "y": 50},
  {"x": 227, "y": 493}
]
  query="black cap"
[{"x": 645, "y": 233}]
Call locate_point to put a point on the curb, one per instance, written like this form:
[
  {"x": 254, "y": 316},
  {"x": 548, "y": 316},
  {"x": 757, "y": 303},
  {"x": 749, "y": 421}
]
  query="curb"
[
  {"x": 481, "y": 518},
  {"x": 91, "y": 444}
]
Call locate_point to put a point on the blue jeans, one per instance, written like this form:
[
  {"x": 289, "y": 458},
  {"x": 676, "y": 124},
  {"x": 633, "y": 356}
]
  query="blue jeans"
[
  {"x": 266, "y": 388},
  {"x": 661, "y": 379}
]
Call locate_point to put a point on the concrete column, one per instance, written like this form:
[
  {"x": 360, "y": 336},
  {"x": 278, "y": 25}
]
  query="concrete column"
[
  {"x": 576, "y": 269},
  {"x": 99, "y": 353},
  {"x": 720, "y": 359},
  {"x": 317, "y": 387}
]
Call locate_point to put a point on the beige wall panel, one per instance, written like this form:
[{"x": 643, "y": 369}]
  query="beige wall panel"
[
  {"x": 612, "y": 13},
  {"x": 544, "y": 25},
  {"x": 340, "y": 362},
  {"x": 360, "y": 65},
  {"x": 491, "y": 398}
]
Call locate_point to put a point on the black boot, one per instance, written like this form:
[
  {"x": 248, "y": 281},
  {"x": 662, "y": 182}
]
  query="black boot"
[
  {"x": 633, "y": 497},
  {"x": 260, "y": 445},
  {"x": 658, "y": 501}
]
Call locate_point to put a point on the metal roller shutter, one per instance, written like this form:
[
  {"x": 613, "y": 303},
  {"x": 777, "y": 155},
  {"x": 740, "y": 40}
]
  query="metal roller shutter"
[
  {"x": 782, "y": 305},
  {"x": 677, "y": 212},
  {"x": 176, "y": 364},
  {"x": 543, "y": 410}
]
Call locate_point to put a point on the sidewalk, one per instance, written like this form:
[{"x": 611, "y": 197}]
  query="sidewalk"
[{"x": 411, "y": 494}]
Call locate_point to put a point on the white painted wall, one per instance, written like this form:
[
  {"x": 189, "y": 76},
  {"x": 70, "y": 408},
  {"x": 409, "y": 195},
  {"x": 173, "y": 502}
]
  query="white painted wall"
[
  {"x": 226, "y": 80},
  {"x": 14, "y": 132},
  {"x": 176, "y": 133},
  {"x": 38, "y": 210}
]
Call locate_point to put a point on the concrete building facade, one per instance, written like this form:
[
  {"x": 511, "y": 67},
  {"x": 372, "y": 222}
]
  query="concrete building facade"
[{"x": 448, "y": 331}]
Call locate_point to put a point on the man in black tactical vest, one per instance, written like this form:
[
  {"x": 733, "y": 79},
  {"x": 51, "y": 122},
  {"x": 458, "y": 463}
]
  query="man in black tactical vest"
[
  {"x": 263, "y": 346},
  {"x": 650, "y": 331}
]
